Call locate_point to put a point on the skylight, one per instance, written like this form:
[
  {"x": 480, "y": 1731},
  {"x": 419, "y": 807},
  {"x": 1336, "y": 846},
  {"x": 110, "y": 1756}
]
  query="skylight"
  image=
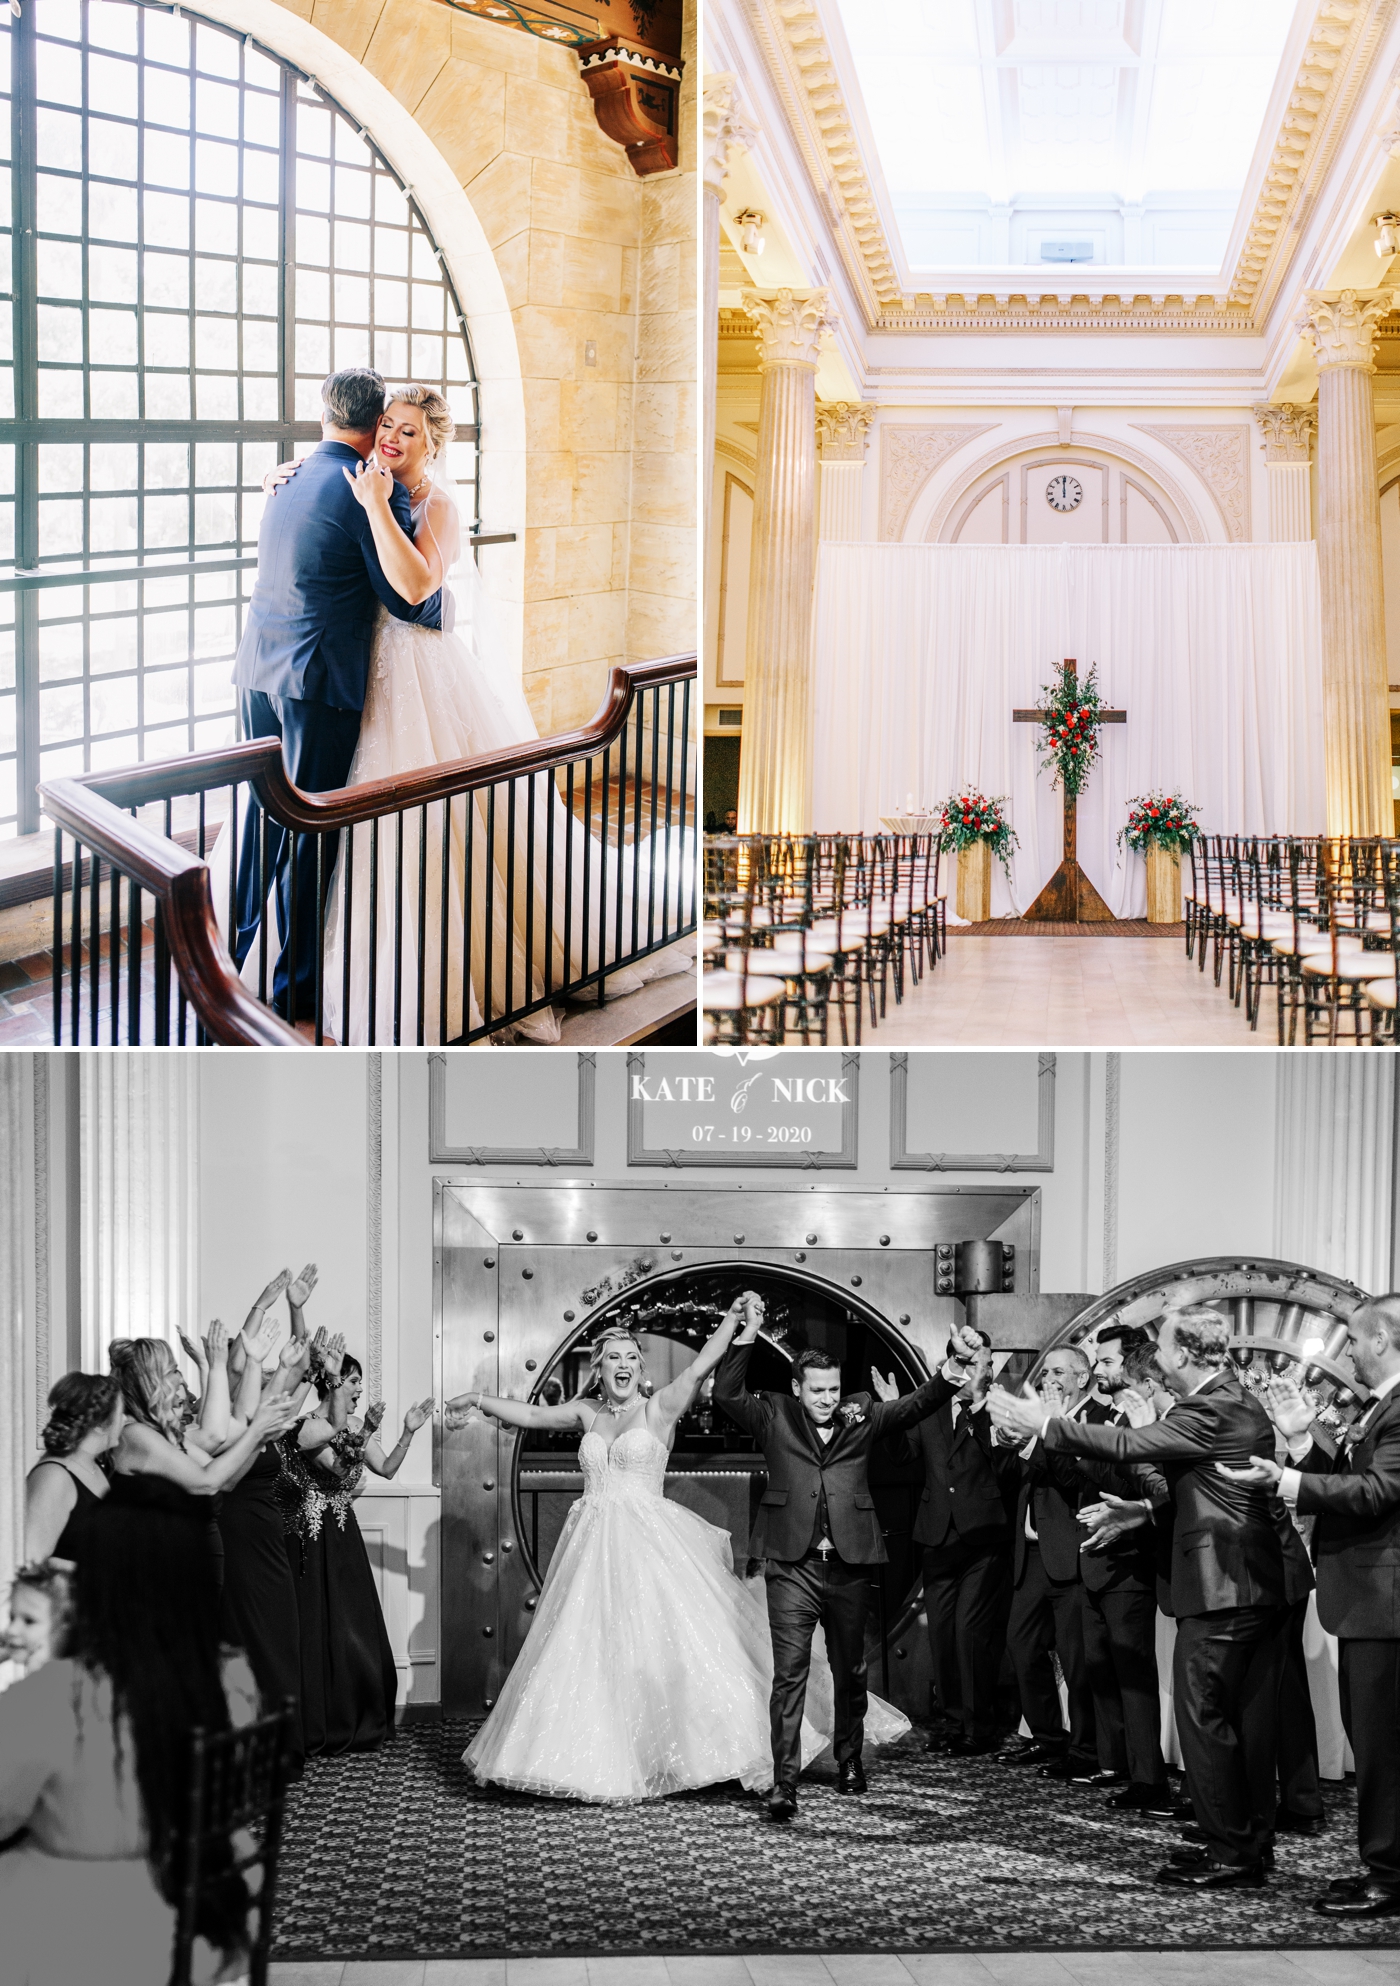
[{"x": 1046, "y": 133}]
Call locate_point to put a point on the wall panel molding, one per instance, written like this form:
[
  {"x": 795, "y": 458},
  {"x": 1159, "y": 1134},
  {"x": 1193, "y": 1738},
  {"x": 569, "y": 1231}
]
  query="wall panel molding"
[
  {"x": 1042, "y": 1159},
  {"x": 440, "y": 1152}
]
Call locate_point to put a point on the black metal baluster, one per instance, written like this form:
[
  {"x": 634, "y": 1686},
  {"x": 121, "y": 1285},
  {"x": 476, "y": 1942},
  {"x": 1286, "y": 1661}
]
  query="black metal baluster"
[
  {"x": 398, "y": 926},
  {"x": 134, "y": 948},
  {"x": 289, "y": 951},
  {"x": 490, "y": 903},
  {"x": 262, "y": 905},
  {"x": 686, "y": 917},
  {"x": 637, "y": 826},
  {"x": 422, "y": 915},
  {"x": 651, "y": 838},
  {"x": 551, "y": 808},
  {"x": 169, "y": 961},
  {"x": 75, "y": 946},
  {"x": 202, "y": 797},
  {"x": 670, "y": 794},
  {"x": 622, "y": 742},
  {"x": 233, "y": 876},
  {"x": 161, "y": 956},
  {"x": 603, "y": 877},
  {"x": 530, "y": 894},
  {"x": 568, "y": 975},
  {"x": 373, "y": 929},
  {"x": 585, "y": 927},
  {"x": 56, "y": 939},
  {"x": 348, "y": 849},
  {"x": 469, "y": 852},
  {"x": 445, "y": 884},
  {"x": 508, "y": 1012},
  {"x": 322, "y": 889},
  {"x": 114, "y": 934}
]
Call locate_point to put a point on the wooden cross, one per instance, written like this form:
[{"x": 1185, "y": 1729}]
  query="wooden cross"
[{"x": 1069, "y": 897}]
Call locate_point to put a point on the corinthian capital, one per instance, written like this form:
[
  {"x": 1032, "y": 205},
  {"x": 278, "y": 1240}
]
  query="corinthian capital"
[
  {"x": 1342, "y": 325},
  {"x": 723, "y": 129},
  {"x": 790, "y": 326},
  {"x": 1288, "y": 431},
  {"x": 843, "y": 428}
]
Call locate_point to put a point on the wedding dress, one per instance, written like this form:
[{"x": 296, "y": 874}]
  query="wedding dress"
[
  {"x": 435, "y": 695},
  {"x": 648, "y": 1665}
]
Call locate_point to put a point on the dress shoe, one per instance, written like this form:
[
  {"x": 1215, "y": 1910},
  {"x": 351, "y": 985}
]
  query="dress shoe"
[
  {"x": 1368, "y": 1899},
  {"x": 1155, "y": 1801},
  {"x": 1206, "y": 1874},
  {"x": 1193, "y": 1832},
  {"x": 942, "y": 1741},
  {"x": 1192, "y": 1857},
  {"x": 1105, "y": 1779},
  {"x": 1032, "y": 1754},
  {"x": 1073, "y": 1775},
  {"x": 1183, "y": 1811},
  {"x": 782, "y": 1803},
  {"x": 851, "y": 1777},
  {"x": 1286, "y": 1823}
]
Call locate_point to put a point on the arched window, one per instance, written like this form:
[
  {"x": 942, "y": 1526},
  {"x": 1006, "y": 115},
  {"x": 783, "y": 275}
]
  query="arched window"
[{"x": 204, "y": 235}]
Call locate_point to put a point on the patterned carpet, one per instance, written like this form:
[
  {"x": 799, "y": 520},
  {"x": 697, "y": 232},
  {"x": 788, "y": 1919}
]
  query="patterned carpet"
[
  {"x": 396, "y": 1855},
  {"x": 1019, "y": 927}
]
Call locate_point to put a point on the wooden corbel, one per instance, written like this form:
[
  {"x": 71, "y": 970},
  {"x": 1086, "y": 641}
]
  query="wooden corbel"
[{"x": 636, "y": 94}]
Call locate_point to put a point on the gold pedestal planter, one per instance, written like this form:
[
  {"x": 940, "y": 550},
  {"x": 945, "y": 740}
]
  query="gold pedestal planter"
[
  {"x": 975, "y": 882},
  {"x": 1163, "y": 885}
]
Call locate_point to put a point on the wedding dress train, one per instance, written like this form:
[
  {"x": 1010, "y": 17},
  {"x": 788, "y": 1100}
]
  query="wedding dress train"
[{"x": 648, "y": 1664}]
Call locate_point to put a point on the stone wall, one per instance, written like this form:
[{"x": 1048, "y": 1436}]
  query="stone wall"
[{"x": 591, "y": 257}]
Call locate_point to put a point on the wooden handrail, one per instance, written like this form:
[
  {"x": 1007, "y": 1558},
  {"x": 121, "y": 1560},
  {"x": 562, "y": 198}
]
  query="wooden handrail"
[
  {"x": 180, "y": 884},
  {"x": 260, "y": 765}
]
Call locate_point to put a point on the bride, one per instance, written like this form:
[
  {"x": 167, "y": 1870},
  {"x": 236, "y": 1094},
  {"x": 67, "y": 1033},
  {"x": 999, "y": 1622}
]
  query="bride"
[
  {"x": 648, "y": 1664},
  {"x": 439, "y": 694}
]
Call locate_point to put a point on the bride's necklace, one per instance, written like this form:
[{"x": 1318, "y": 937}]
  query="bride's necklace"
[
  {"x": 617, "y": 1408},
  {"x": 418, "y": 488}
]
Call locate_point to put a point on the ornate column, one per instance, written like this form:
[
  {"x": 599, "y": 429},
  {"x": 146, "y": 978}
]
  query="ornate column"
[
  {"x": 1287, "y": 444},
  {"x": 139, "y": 1160},
  {"x": 775, "y": 763},
  {"x": 1334, "y": 1179},
  {"x": 1356, "y": 703},
  {"x": 843, "y": 433},
  {"x": 723, "y": 132}
]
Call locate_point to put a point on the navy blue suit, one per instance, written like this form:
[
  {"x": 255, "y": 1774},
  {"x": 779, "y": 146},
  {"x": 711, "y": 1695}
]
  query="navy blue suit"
[{"x": 302, "y": 672}]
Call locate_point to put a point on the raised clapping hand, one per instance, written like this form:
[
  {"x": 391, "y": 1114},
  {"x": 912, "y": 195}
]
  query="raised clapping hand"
[
  {"x": 1013, "y": 1416},
  {"x": 299, "y": 1290},
  {"x": 457, "y": 1417},
  {"x": 295, "y": 1352},
  {"x": 216, "y": 1343},
  {"x": 1111, "y": 1518},
  {"x": 885, "y": 1389},
  {"x": 374, "y": 1417},
  {"x": 1286, "y": 1405},
  {"x": 1261, "y": 1469},
  {"x": 421, "y": 1411},
  {"x": 333, "y": 1355},
  {"x": 194, "y": 1349},
  {"x": 1138, "y": 1408},
  {"x": 276, "y": 1413}
]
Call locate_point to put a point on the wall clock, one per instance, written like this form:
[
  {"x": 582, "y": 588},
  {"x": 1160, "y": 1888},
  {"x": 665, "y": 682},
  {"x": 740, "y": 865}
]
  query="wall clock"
[{"x": 1063, "y": 493}]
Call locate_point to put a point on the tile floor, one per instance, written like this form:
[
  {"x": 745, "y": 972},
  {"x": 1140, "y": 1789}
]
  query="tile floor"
[
  {"x": 1068, "y": 992},
  {"x": 1090, "y": 1968}
]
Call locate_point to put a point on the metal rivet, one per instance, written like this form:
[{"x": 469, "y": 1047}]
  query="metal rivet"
[
  {"x": 675, "y": 1254},
  {"x": 507, "y": 1544},
  {"x": 488, "y": 1632},
  {"x": 884, "y": 1241},
  {"x": 488, "y": 1558},
  {"x": 738, "y": 1240},
  {"x": 490, "y": 1483},
  {"x": 856, "y": 1281},
  {"x": 904, "y": 1317},
  {"x": 488, "y": 1703},
  {"x": 592, "y": 1234},
  {"x": 568, "y": 1316},
  {"x": 801, "y": 1255},
  {"x": 810, "y": 1239},
  {"x": 528, "y": 1275},
  {"x": 900, "y": 1655},
  {"x": 488, "y": 1262},
  {"x": 517, "y": 1234},
  {"x": 529, "y": 1365},
  {"x": 530, "y": 1606},
  {"x": 489, "y": 1336},
  {"x": 665, "y": 1237}
]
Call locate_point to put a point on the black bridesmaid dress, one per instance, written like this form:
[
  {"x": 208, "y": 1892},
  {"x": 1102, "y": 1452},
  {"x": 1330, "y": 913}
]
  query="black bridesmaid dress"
[
  {"x": 70, "y": 1536},
  {"x": 259, "y": 1598},
  {"x": 349, "y": 1684}
]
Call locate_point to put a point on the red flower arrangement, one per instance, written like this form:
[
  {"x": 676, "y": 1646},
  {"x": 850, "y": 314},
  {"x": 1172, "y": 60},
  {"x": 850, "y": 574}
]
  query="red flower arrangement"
[
  {"x": 1163, "y": 820},
  {"x": 1070, "y": 733},
  {"x": 969, "y": 816}
]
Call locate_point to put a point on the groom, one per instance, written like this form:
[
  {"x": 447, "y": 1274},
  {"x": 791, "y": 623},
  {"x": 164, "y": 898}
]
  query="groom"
[
  {"x": 818, "y": 1531},
  {"x": 303, "y": 662}
]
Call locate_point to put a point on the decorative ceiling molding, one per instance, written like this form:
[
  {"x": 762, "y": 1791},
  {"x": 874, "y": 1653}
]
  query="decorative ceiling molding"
[
  {"x": 908, "y": 457},
  {"x": 732, "y": 453},
  {"x": 1338, "y": 56},
  {"x": 1220, "y": 457},
  {"x": 1014, "y": 447}
]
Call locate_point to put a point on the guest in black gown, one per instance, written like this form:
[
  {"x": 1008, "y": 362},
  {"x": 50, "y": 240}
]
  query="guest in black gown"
[
  {"x": 349, "y": 1685},
  {"x": 84, "y": 1425}
]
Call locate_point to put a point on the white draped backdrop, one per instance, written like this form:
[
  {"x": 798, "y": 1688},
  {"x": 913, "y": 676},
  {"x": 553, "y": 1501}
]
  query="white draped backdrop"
[{"x": 921, "y": 653}]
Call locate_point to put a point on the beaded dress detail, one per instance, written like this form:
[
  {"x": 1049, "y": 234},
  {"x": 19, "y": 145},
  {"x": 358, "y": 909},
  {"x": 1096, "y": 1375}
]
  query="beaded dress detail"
[{"x": 648, "y": 1664}]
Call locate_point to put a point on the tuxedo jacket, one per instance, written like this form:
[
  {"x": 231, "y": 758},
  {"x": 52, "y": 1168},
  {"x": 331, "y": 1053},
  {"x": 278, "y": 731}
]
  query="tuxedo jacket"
[
  {"x": 800, "y": 1464},
  {"x": 1131, "y": 1563},
  {"x": 966, "y": 1491},
  {"x": 1355, "y": 1496},
  {"x": 311, "y": 616},
  {"x": 1229, "y": 1548}
]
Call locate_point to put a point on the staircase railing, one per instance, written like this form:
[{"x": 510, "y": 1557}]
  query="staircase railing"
[{"x": 450, "y": 903}]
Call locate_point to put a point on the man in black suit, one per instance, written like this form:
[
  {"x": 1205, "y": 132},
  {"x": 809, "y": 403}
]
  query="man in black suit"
[
  {"x": 963, "y": 1524},
  {"x": 1353, "y": 1489},
  {"x": 1230, "y": 1590},
  {"x": 1046, "y": 1613},
  {"x": 818, "y": 1533}
]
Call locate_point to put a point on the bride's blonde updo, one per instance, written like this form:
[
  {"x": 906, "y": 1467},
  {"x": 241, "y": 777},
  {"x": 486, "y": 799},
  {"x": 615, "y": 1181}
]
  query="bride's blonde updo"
[
  {"x": 616, "y": 1334},
  {"x": 438, "y": 423}
]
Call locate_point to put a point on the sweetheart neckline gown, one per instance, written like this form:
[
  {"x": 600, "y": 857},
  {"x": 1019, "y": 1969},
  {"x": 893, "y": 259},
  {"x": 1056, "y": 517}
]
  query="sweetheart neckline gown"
[{"x": 648, "y": 1665}]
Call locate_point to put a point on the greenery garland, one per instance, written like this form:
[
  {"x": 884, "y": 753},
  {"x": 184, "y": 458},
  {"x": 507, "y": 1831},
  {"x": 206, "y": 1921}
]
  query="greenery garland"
[
  {"x": 1070, "y": 727},
  {"x": 970, "y": 816},
  {"x": 1163, "y": 820}
]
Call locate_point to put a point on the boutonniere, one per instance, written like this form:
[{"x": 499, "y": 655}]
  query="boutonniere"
[{"x": 850, "y": 1413}]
